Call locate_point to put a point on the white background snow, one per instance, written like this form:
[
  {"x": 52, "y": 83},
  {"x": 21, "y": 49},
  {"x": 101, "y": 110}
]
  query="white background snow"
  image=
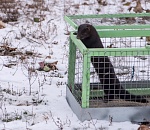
[{"x": 37, "y": 100}]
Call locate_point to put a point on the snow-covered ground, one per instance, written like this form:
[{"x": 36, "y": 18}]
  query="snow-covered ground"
[{"x": 36, "y": 100}]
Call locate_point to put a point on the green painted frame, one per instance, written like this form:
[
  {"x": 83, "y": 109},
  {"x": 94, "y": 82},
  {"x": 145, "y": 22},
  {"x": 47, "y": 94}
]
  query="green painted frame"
[
  {"x": 69, "y": 19},
  {"x": 104, "y": 32}
]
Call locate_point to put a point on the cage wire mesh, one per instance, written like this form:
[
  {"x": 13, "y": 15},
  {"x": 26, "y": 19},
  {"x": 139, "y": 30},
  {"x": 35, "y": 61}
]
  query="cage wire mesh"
[
  {"x": 132, "y": 71},
  {"x": 133, "y": 74},
  {"x": 124, "y": 42},
  {"x": 114, "y": 21},
  {"x": 78, "y": 75}
]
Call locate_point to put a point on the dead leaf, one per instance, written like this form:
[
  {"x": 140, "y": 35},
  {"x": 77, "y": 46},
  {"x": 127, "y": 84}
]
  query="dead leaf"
[
  {"x": 85, "y": 3},
  {"x": 55, "y": 42},
  {"x": 46, "y": 68},
  {"x": 15, "y": 53},
  {"x": 102, "y": 2},
  {"x": 98, "y": 9},
  {"x": 29, "y": 52},
  {"x": 2, "y": 25},
  {"x": 7, "y": 48},
  {"x": 147, "y": 10},
  {"x": 138, "y": 8},
  {"x": 31, "y": 69},
  {"x": 130, "y": 20},
  {"x": 52, "y": 66},
  {"x": 22, "y": 57},
  {"x": 127, "y": 4},
  {"x": 143, "y": 127},
  {"x": 130, "y": 8},
  {"x": 147, "y": 39},
  {"x": 9, "y": 65},
  {"x": 77, "y": 6},
  {"x": 48, "y": 57},
  {"x": 42, "y": 64},
  {"x": 110, "y": 46}
]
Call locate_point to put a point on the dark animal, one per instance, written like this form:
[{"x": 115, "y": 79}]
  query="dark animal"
[{"x": 104, "y": 68}]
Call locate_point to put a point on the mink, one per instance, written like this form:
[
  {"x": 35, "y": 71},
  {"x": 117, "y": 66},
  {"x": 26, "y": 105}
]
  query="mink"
[{"x": 104, "y": 68}]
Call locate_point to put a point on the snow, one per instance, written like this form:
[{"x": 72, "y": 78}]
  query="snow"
[{"x": 37, "y": 100}]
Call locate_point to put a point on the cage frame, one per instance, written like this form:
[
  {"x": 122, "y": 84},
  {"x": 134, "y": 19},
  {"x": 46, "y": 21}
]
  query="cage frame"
[
  {"x": 69, "y": 19},
  {"x": 104, "y": 32}
]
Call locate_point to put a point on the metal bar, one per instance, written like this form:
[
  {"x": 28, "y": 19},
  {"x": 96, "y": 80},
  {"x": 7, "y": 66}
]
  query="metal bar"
[
  {"x": 123, "y": 27},
  {"x": 67, "y": 19},
  {"x": 139, "y": 91},
  {"x": 70, "y": 18},
  {"x": 111, "y": 51},
  {"x": 71, "y": 65},
  {"x": 119, "y": 51},
  {"x": 109, "y": 15},
  {"x": 123, "y": 33},
  {"x": 86, "y": 81},
  {"x": 78, "y": 43}
]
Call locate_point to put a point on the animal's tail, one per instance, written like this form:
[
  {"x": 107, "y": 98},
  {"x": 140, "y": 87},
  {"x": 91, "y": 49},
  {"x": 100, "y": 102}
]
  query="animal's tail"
[
  {"x": 123, "y": 94},
  {"x": 110, "y": 83},
  {"x": 115, "y": 90}
]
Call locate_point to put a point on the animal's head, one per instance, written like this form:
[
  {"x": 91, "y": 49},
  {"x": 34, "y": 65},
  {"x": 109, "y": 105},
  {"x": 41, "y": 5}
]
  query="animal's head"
[{"x": 84, "y": 31}]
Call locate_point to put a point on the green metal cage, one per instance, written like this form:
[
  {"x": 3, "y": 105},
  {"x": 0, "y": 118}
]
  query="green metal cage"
[{"x": 126, "y": 38}]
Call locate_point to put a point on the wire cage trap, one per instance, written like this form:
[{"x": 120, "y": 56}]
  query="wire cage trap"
[{"x": 126, "y": 38}]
